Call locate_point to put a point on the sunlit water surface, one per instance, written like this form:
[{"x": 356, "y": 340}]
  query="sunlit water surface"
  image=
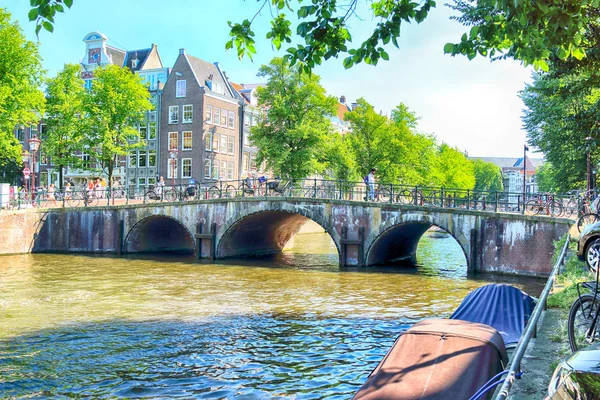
[{"x": 294, "y": 326}]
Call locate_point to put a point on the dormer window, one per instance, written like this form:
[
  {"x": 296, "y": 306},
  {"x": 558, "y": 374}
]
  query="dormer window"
[{"x": 134, "y": 63}]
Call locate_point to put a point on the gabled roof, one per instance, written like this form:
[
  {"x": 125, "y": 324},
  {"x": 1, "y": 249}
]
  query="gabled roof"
[
  {"x": 206, "y": 71},
  {"x": 342, "y": 109},
  {"x": 140, "y": 55},
  {"x": 117, "y": 55},
  {"x": 512, "y": 162}
]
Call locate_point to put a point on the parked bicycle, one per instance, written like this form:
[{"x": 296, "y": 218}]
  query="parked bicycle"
[
  {"x": 86, "y": 197},
  {"x": 544, "y": 204},
  {"x": 583, "y": 328}
]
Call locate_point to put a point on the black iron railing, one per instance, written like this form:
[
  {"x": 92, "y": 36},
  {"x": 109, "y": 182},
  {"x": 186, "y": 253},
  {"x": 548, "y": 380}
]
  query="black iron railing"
[{"x": 429, "y": 196}]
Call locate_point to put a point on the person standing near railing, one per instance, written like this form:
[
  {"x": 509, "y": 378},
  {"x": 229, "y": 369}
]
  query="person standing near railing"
[{"x": 370, "y": 181}]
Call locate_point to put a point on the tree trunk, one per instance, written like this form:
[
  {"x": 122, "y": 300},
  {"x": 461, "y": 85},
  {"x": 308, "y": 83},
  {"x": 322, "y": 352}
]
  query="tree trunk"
[{"x": 60, "y": 176}]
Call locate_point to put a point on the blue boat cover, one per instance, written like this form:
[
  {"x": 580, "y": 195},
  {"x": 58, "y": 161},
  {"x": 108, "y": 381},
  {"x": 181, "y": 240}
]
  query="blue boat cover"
[{"x": 503, "y": 307}]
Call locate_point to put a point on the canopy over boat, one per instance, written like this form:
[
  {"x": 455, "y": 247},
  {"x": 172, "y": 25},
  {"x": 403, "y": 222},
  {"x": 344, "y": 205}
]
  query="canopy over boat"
[
  {"x": 503, "y": 307},
  {"x": 437, "y": 359}
]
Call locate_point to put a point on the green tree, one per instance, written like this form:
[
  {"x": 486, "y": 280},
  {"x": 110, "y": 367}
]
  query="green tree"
[
  {"x": 338, "y": 160},
  {"x": 21, "y": 101},
  {"x": 562, "y": 111},
  {"x": 545, "y": 177},
  {"x": 455, "y": 170},
  {"x": 488, "y": 177},
  {"x": 525, "y": 30},
  {"x": 115, "y": 105},
  {"x": 64, "y": 124},
  {"x": 290, "y": 139}
]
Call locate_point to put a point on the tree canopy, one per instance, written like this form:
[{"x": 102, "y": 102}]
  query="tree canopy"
[
  {"x": 115, "y": 105},
  {"x": 290, "y": 138},
  {"x": 488, "y": 176},
  {"x": 21, "y": 100},
  {"x": 64, "y": 118},
  {"x": 520, "y": 29}
]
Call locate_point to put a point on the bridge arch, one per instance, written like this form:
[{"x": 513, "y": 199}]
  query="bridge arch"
[
  {"x": 399, "y": 241},
  {"x": 267, "y": 230},
  {"x": 159, "y": 234}
]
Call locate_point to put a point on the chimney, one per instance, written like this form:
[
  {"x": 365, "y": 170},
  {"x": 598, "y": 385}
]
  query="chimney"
[
  {"x": 354, "y": 106},
  {"x": 182, "y": 51},
  {"x": 343, "y": 99}
]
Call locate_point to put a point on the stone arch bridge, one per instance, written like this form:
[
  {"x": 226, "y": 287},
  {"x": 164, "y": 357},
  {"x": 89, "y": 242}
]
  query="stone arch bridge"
[{"x": 364, "y": 233}]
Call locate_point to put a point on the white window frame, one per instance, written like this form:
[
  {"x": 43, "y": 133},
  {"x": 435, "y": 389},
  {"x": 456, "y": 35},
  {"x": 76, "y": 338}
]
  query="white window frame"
[
  {"x": 172, "y": 162},
  {"x": 247, "y": 119},
  {"x": 207, "y": 172},
  {"x": 223, "y": 170},
  {"x": 132, "y": 159},
  {"x": 150, "y": 154},
  {"x": 230, "y": 145},
  {"x": 180, "y": 88},
  {"x": 173, "y": 135},
  {"x": 217, "y": 116},
  {"x": 223, "y": 142},
  {"x": 230, "y": 170},
  {"x": 191, "y": 111},
  {"x": 231, "y": 122},
  {"x": 215, "y": 170},
  {"x": 216, "y": 139},
  {"x": 142, "y": 156},
  {"x": 223, "y": 115},
  {"x": 151, "y": 130},
  {"x": 208, "y": 141},
  {"x": 208, "y": 114},
  {"x": 173, "y": 120},
  {"x": 183, "y": 137},
  {"x": 183, "y": 167}
]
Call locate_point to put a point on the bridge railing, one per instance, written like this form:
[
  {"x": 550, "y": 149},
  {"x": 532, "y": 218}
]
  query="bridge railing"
[{"x": 430, "y": 196}]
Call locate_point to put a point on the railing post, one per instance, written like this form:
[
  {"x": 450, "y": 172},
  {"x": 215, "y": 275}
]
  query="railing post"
[
  {"x": 442, "y": 197},
  {"x": 220, "y": 188},
  {"x": 496, "y": 201},
  {"x": 340, "y": 190},
  {"x": 315, "y": 191},
  {"x": 415, "y": 200},
  {"x": 63, "y": 198},
  {"x": 391, "y": 192},
  {"x": 468, "y": 199}
]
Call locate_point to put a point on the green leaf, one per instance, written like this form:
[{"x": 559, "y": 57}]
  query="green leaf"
[
  {"x": 348, "y": 62},
  {"x": 68, "y": 3},
  {"x": 474, "y": 31},
  {"x": 449, "y": 48},
  {"x": 33, "y": 14},
  {"x": 48, "y": 26},
  {"x": 385, "y": 56}
]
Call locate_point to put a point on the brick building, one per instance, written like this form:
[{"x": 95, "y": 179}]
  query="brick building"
[{"x": 199, "y": 124}]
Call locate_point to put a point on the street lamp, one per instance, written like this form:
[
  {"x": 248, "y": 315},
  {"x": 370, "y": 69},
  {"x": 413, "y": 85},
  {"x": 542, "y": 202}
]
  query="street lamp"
[
  {"x": 25, "y": 158},
  {"x": 173, "y": 156},
  {"x": 34, "y": 145}
]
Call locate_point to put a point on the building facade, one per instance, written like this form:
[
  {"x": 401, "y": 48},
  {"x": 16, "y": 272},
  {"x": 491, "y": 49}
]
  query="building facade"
[
  {"x": 199, "y": 124},
  {"x": 140, "y": 167}
]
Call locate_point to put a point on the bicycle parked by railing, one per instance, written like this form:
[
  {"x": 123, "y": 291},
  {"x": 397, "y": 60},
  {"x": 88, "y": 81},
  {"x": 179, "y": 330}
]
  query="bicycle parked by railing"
[
  {"x": 86, "y": 197},
  {"x": 583, "y": 328},
  {"x": 544, "y": 204}
]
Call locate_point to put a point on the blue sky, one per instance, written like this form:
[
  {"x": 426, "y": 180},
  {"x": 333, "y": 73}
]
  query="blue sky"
[{"x": 472, "y": 105}]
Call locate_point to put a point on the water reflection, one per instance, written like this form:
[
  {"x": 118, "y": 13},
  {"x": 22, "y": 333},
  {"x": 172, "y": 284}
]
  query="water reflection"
[{"x": 293, "y": 325}]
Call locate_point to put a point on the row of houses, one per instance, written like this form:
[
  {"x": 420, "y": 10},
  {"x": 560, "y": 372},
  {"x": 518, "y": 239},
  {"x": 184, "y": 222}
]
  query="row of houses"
[{"x": 198, "y": 129}]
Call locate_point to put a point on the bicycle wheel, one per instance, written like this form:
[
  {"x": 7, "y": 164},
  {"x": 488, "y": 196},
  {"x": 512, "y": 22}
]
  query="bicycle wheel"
[
  {"x": 383, "y": 195},
  {"x": 214, "y": 193},
  {"x": 74, "y": 199},
  {"x": 231, "y": 191},
  {"x": 151, "y": 196},
  {"x": 246, "y": 190},
  {"x": 586, "y": 219},
  {"x": 533, "y": 207},
  {"x": 581, "y": 316},
  {"x": 405, "y": 197},
  {"x": 569, "y": 209},
  {"x": 170, "y": 195},
  {"x": 555, "y": 208},
  {"x": 434, "y": 198}
]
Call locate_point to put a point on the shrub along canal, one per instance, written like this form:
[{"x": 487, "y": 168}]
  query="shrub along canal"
[{"x": 292, "y": 325}]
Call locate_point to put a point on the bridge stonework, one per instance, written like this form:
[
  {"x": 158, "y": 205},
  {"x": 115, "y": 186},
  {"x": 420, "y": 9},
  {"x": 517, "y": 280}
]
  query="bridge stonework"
[{"x": 364, "y": 233}]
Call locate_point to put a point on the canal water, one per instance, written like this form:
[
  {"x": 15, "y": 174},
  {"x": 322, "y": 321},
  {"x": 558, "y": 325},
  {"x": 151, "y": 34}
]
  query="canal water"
[{"x": 293, "y": 326}]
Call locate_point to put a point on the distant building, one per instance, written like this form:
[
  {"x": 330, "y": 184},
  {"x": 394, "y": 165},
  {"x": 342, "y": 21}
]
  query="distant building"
[
  {"x": 338, "y": 120},
  {"x": 140, "y": 168},
  {"x": 199, "y": 119},
  {"x": 512, "y": 173},
  {"x": 251, "y": 115}
]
